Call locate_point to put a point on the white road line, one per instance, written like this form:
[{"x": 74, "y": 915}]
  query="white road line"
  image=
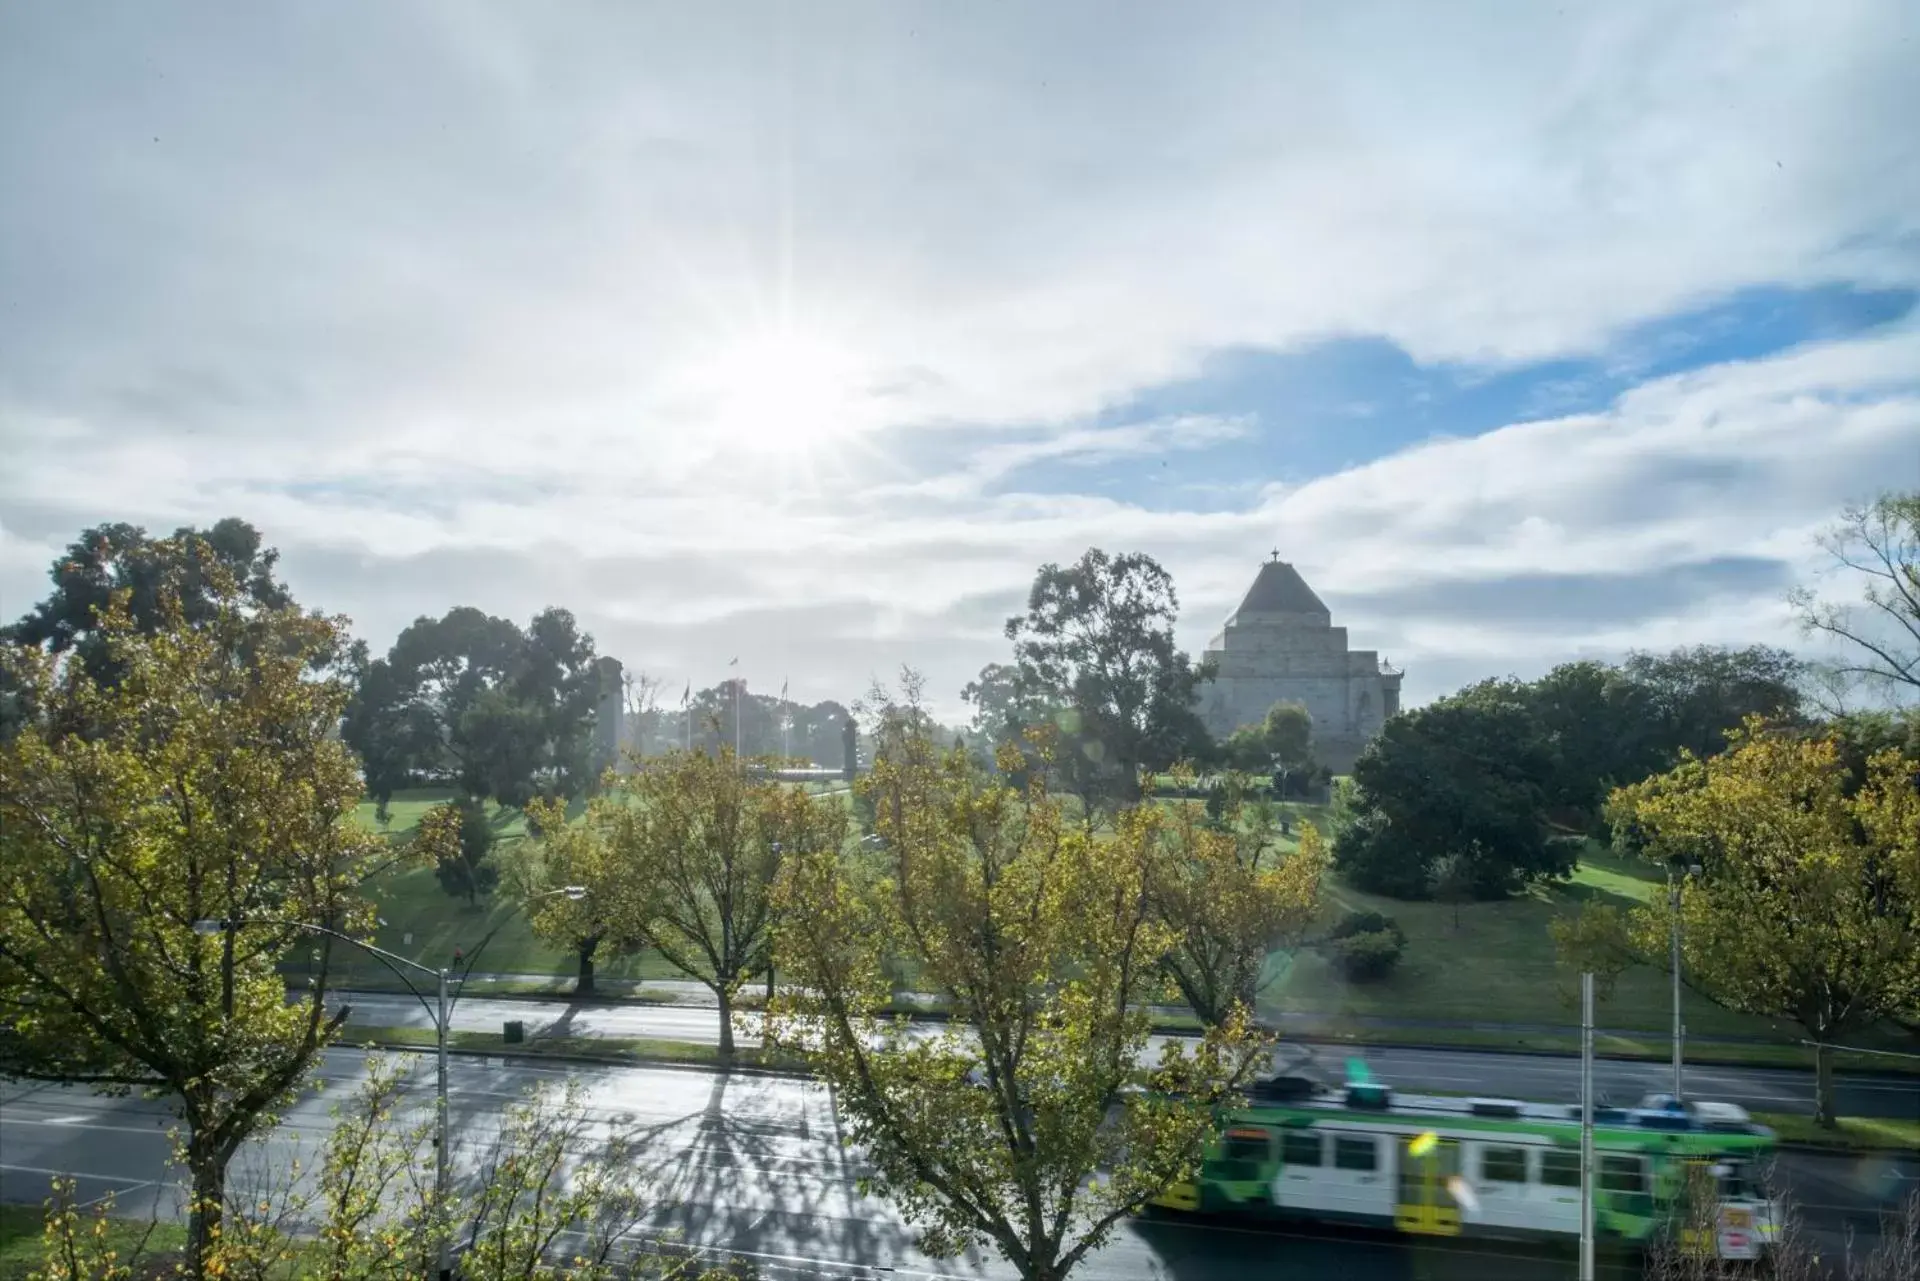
[{"x": 76, "y": 1174}]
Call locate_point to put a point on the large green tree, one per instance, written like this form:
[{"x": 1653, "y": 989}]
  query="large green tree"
[
  {"x": 1701, "y": 694},
  {"x": 1017, "y": 1125},
  {"x": 187, "y": 575},
  {"x": 1465, "y": 776},
  {"x": 1097, "y": 638},
  {"x": 162, "y": 837},
  {"x": 473, "y": 699}
]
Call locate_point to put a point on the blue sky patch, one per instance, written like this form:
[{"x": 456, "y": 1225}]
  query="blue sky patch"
[{"x": 1346, "y": 401}]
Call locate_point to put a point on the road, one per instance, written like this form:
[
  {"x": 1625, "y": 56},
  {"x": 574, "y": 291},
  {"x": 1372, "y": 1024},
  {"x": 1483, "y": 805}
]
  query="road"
[
  {"x": 755, "y": 1165},
  {"x": 1526, "y": 1076}
]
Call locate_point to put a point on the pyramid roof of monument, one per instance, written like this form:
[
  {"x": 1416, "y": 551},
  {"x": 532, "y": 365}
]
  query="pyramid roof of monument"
[{"x": 1279, "y": 589}]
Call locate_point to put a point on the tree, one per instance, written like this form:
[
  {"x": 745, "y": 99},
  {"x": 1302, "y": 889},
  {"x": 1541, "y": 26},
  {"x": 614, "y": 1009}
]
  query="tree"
[
  {"x": 564, "y": 854},
  {"x": 1807, "y": 906},
  {"x": 1463, "y": 776},
  {"x": 187, "y": 575},
  {"x": 698, "y": 842},
  {"x": 1700, "y": 695},
  {"x": 1453, "y": 877},
  {"x": 1879, "y": 542},
  {"x": 157, "y": 834},
  {"x": 1601, "y": 729},
  {"x": 1229, "y": 895},
  {"x": 465, "y": 867},
  {"x": 1018, "y": 1125},
  {"x": 556, "y": 1193},
  {"x": 503, "y": 713},
  {"x": 1280, "y": 744},
  {"x": 1097, "y": 637}
]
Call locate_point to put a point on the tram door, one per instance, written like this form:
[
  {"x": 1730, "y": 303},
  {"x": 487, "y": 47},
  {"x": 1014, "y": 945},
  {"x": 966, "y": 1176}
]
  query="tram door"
[{"x": 1425, "y": 1203}]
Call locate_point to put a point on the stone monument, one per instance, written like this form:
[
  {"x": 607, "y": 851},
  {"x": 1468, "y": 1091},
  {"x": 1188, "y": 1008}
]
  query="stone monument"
[{"x": 1281, "y": 646}]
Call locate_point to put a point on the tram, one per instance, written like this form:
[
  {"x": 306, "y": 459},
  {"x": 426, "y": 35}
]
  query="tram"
[{"x": 1441, "y": 1166}]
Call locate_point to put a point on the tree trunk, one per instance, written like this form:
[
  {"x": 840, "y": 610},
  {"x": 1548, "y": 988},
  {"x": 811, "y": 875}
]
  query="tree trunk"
[
  {"x": 583, "y": 986},
  {"x": 1823, "y": 1086},
  {"x": 207, "y": 1168},
  {"x": 726, "y": 1022}
]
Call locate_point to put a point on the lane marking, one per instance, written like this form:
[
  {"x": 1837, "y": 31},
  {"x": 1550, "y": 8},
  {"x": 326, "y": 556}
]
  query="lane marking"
[{"x": 71, "y": 1174}]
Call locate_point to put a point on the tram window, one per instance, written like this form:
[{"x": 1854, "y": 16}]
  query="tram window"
[
  {"x": 1560, "y": 1169},
  {"x": 1297, "y": 1148},
  {"x": 1622, "y": 1174},
  {"x": 1355, "y": 1154},
  {"x": 1736, "y": 1182},
  {"x": 1503, "y": 1165},
  {"x": 1247, "y": 1145}
]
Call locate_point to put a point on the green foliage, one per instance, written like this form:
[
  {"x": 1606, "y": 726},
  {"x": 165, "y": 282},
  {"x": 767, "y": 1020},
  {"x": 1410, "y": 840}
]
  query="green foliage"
[
  {"x": 689, "y": 850},
  {"x": 471, "y": 698},
  {"x": 1016, "y": 1126},
  {"x": 1372, "y": 855},
  {"x": 1230, "y": 894},
  {"x": 200, "y": 790},
  {"x": 1465, "y": 776},
  {"x": 554, "y": 1196},
  {"x": 1365, "y": 946},
  {"x": 1807, "y": 906},
  {"x": 1352, "y": 923},
  {"x": 563, "y": 854},
  {"x": 1097, "y": 638},
  {"x": 1366, "y": 958},
  {"x": 85, "y": 1242},
  {"x": 188, "y": 576},
  {"x": 466, "y": 869}
]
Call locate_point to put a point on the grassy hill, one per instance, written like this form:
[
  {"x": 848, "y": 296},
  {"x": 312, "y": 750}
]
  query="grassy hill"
[{"x": 1494, "y": 964}]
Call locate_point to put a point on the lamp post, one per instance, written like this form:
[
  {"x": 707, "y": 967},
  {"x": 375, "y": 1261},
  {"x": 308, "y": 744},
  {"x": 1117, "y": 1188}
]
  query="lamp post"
[
  {"x": 437, "y": 1012},
  {"x": 1675, "y": 867}
]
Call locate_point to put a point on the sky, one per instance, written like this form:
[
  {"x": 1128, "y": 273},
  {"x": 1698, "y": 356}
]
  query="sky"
[{"x": 805, "y": 333}]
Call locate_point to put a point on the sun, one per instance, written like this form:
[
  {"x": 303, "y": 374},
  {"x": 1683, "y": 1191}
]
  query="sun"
[{"x": 782, "y": 393}]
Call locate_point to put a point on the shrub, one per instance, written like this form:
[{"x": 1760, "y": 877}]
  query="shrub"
[
  {"x": 1364, "y": 958},
  {"x": 1366, "y": 923},
  {"x": 1366, "y": 945}
]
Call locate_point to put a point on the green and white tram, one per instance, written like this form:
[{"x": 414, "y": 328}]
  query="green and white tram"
[{"x": 1487, "y": 1167}]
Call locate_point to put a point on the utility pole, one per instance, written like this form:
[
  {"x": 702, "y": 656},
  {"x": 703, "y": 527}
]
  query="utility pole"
[{"x": 1586, "y": 1127}]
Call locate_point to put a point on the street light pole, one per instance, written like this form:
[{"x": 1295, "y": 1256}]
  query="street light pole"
[
  {"x": 1586, "y": 1127},
  {"x": 1673, "y": 960},
  {"x": 443, "y": 1228}
]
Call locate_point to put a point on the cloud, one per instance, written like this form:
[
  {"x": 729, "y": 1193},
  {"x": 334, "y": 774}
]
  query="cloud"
[{"x": 451, "y": 300}]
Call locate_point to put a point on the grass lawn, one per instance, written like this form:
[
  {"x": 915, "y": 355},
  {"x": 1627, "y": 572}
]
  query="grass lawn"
[
  {"x": 1484, "y": 963},
  {"x": 1854, "y": 1133},
  {"x": 1494, "y": 963},
  {"x": 424, "y": 923},
  {"x": 20, "y": 1228}
]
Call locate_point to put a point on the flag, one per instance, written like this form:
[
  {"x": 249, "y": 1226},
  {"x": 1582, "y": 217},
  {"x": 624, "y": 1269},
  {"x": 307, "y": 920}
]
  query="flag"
[
  {"x": 783, "y": 688},
  {"x": 686, "y": 695},
  {"x": 733, "y": 662}
]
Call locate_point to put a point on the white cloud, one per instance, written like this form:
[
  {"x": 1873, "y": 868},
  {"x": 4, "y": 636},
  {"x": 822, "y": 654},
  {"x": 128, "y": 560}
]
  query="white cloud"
[{"x": 443, "y": 296}]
